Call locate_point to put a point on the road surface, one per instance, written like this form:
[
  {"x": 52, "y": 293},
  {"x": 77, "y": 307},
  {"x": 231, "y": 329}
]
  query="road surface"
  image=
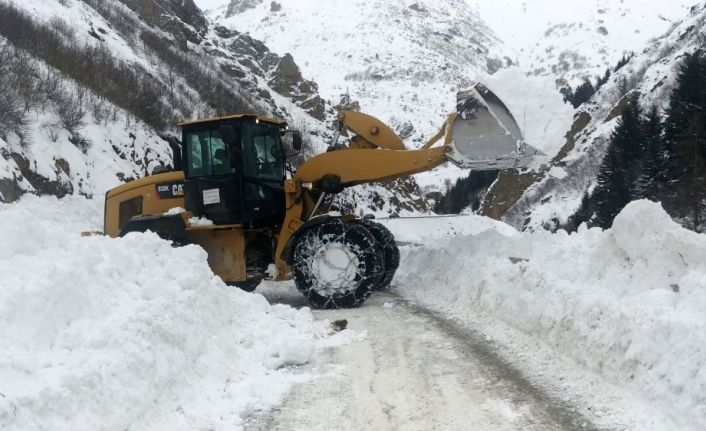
[{"x": 414, "y": 370}]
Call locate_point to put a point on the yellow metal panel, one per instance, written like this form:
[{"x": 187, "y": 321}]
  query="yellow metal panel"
[
  {"x": 371, "y": 129},
  {"x": 151, "y": 203},
  {"x": 356, "y": 166},
  {"x": 150, "y": 180},
  {"x": 226, "y": 251}
]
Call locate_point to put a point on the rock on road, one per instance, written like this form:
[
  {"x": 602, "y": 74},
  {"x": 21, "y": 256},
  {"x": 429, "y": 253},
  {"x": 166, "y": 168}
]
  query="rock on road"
[{"x": 414, "y": 370}]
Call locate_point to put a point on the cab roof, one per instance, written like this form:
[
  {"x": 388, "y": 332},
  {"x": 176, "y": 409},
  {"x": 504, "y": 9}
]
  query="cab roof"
[{"x": 233, "y": 117}]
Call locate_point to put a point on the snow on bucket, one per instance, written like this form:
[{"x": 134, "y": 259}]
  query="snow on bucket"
[{"x": 485, "y": 135}]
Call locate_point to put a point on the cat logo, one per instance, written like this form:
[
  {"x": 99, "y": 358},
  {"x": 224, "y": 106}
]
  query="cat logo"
[{"x": 170, "y": 190}]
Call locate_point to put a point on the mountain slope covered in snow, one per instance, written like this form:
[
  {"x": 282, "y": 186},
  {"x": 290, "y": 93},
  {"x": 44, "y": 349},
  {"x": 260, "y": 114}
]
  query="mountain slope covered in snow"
[
  {"x": 548, "y": 198},
  {"x": 571, "y": 41},
  {"x": 99, "y": 83},
  {"x": 401, "y": 61},
  {"x": 94, "y": 91}
]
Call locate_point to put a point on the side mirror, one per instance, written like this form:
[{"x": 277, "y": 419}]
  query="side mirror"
[
  {"x": 296, "y": 141},
  {"x": 175, "y": 146},
  {"x": 293, "y": 141}
]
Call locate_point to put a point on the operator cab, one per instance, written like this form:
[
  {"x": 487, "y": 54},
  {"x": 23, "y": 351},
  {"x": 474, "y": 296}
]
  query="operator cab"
[{"x": 234, "y": 169}]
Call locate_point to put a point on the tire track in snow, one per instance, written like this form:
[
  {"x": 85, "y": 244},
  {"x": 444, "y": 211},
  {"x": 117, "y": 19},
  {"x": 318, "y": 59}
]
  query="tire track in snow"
[{"x": 415, "y": 370}]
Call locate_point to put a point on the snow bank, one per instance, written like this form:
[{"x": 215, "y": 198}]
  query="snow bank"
[
  {"x": 628, "y": 303},
  {"x": 424, "y": 229},
  {"x": 115, "y": 334}
]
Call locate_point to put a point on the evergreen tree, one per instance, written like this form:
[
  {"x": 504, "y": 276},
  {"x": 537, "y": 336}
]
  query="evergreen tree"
[
  {"x": 583, "y": 214},
  {"x": 568, "y": 93},
  {"x": 623, "y": 86},
  {"x": 683, "y": 101},
  {"x": 602, "y": 80},
  {"x": 620, "y": 167},
  {"x": 683, "y": 188},
  {"x": 466, "y": 192},
  {"x": 623, "y": 61},
  {"x": 646, "y": 182},
  {"x": 583, "y": 93}
]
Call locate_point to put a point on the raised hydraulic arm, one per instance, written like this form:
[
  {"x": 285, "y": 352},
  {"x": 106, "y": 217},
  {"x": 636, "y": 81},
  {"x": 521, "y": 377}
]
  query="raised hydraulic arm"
[{"x": 481, "y": 135}]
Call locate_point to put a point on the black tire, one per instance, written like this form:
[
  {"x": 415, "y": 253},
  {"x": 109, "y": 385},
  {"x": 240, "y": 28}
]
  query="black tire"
[
  {"x": 337, "y": 264},
  {"x": 176, "y": 241},
  {"x": 391, "y": 253},
  {"x": 248, "y": 285}
]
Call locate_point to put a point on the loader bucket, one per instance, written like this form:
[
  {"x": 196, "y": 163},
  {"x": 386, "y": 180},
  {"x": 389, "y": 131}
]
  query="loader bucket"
[{"x": 485, "y": 136}]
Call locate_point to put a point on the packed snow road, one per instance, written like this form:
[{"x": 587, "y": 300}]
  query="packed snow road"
[{"x": 412, "y": 369}]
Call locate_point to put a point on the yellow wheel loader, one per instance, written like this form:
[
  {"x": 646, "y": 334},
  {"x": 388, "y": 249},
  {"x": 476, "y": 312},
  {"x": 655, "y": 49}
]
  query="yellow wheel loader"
[{"x": 232, "y": 193}]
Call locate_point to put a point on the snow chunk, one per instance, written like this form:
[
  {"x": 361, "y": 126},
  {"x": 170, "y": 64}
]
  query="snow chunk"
[
  {"x": 293, "y": 351},
  {"x": 423, "y": 229},
  {"x": 200, "y": 221},
  {"x": 557, "y": 172},
  {"x": 175, "y": 211}
]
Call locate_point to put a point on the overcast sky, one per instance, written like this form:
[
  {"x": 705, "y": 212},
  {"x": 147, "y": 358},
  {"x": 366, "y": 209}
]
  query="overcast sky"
[{"x": 209, "y": 4}]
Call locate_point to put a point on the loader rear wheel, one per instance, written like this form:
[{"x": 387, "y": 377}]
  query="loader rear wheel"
[
  {"x": 337, "y": 264},
  {"x": 391, "y": 254}
]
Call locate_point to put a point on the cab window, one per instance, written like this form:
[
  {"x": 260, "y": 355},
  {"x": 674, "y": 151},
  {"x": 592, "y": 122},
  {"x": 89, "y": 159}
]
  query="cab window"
[
  {"x": 207, "y": 154},
  {"x": 262, "y": 152}
]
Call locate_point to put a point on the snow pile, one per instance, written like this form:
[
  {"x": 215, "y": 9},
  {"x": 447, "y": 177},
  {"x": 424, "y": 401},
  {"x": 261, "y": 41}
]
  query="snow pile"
[
  {"x": 113, "y": 334},
  {"x": 424, "y": 229},
  {"x": 628, "y": 303}
]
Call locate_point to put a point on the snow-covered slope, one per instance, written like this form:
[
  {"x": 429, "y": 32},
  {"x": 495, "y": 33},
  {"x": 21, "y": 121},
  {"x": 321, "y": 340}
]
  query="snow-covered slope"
[
  {"x": 131, "y": 333},
  {"x": 156, "y": 62},
  {"x": 117, "y": 136},
  {"x": 627, "y": 304},
  {"x": 569, "y": 41},
  {"x": 401, "y": 61},
  {"x": 550, "y": 198}
]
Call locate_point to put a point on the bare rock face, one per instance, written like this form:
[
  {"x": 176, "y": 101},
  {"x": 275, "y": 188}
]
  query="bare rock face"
[
  {"x": 249, "y": 62},
  {"x": 10, "y": 191},
  {"x": 347, "y": 104},
  {"x": 287, "y": 77},
  {"x": 288, "y": 81},
  {"x": 41, "y": 184},
  {"x": 507, "y": 190},
  {"x": 581, "y": 120},
  {"x": 182, "y": 18},
  {"x": 238, "y": 6},
  {"x": 388, "y": 199}
]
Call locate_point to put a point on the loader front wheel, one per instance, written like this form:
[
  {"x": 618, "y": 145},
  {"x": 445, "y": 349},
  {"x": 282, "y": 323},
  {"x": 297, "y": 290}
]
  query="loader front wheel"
[
  {"x": 337, "y": 264},
  {"x": 391, "y": 254}
]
